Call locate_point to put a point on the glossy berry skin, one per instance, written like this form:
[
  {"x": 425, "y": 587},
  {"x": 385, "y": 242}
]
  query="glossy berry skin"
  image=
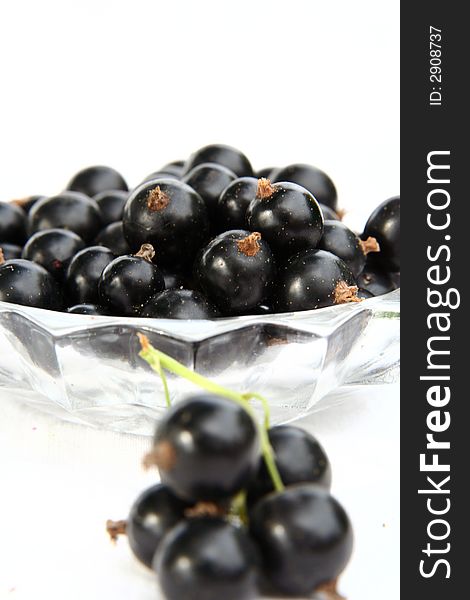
[
  {"x": 384, "y": 225},
  {"x": 10, "y": 251},
  {"x": 84, "y": 272},
  {"x": 169, "y": 215},
  {"x": 299, "y": 458},
  {"x": 97, "y": 179},
  {"x": 179, "y": 304},
  {"x": 309, "y": 279},
  {"x": 111, "y": 205},
  {"x": 160, "y": 175},
  {"x": 25, "y": 282},
  {"x": 112, "y": 237},
  {"x": 328, "y": 213},
  {"x": 175, "y": 280},
  {"x": 364, "y": 294},
  {"x": 344, "y": 243},
  {"x": 209, "y": 180},
  {"x": 228, "y": 157},
  {"x": 267, "y": 173},
  {"x": 175, "y": 168},
  {"x": 317, "y": 182},
  {"x": 287, "y": 216},
  {"x": 152, "y": 515},
  {"x": 207, "y": 559},
  {"x": 127, "y": 284},
  {"x": 85, "y": 309},
  {"x": 316, "y": 541},
  {"x": 233, "y": 203},
  {"x": 233, "y": 277},
  {"x": 26, "y": 204},
  {"x": 12, "y": 224},
  {"x": 206, "y": 448},
  {"x": 70, "y": 210},
  {"x": 53, "y": 249},
  {"x": 375, "y": 281}
]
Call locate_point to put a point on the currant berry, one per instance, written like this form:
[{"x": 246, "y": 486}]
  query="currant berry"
[
  {"x": 233, "y": 203},
  {"x": 169, "y": 215},
  {"x": 84, "y": 272},
  {"x": 236, "y": 271},
  {"x": 112, "y": 237},
  {"x": 226, "y": 156},
  {"x": 328, "y": 213},
  {"x": 53, "y": 250},
  {"x": 375, "y": 281},
  {"x": 12, "y": 224},
  {"x": 179, "y": 304},
  {"x": 97, "y": 179},
  {"x": 267, "y": 173},
  {"x": 316, "y": 541},
  {"x": 25, "y": 282},
  {"x": 209, "y": 180},
  {"x": 111, "y": 205},
  {"x": 299, "y": 459},
  {"x": 364, "y": 294},
  {"x": 207, "y": 559},
  {"x": 344, "y": 243},
  {"x": 70, "y": 210},
  {"x": 384, "y": 225},
  {"x": 128, "y": 282},
  {"x": 314, "y": 180},
  {"x": 206, "y": 448},
  {"x": 152, "y": 515},
  {"x": 9, "y": 251},
  {"x": 175, "y": 168},
  {"x": 26, "y": 204},
  {"x": 287, "y": 216},
  {"x": 314, "y": 279}
]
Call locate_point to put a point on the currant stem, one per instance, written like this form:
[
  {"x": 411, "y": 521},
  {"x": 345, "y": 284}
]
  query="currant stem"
[{"x": 159, "y": 360}]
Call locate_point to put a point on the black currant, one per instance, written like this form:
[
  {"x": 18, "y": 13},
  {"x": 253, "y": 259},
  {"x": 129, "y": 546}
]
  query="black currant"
[
  {"x": 169, "y": 215},
  {"x": 84, "y": 272},
  {"x": 13, "y": 222},
  {"x": 9, "y": 251},
  {"x": 206, "y": 448},
  {"x": 207, "y": 558},
  {"x": 341, "y": 241},
  {"x": 175, "y": 168},
  {"x": 111, "y": 205},
  {"x": 287, "y": 215},
  {"x": 305, "y": 538},
  {"x": 179, "y": 304},
  {"x": 97, "y": 179},
  {"x": 314, "y": 180},
  {"x": 328, "y": 213},
  {"x": 209, "y": 180},
  {"x": 236, "y": 270},
  {"x": 85, "y": 309},
  {"x": 314, "y": 279},
  {"x": 233, "y": 203},
  {"x": 53, "y": 249},
  {"x": 375, "y": 281},
  {"x": 25, "y": 282},
  {"x": 70, "y": 210},
  {"x": 128, "y": 282},
  {"x": 152, "y": 515},
  {"x": 266, "y": 173},
  {"x": 175, "y": 280},
  {"x": 27, "y": 203},
  {"x": 384, "y": 225},
  {"x": 112, "y": 237},
  {"x": 299, "y": 458},
  {"x": 364, "y": 294},
  {"x": 159, "y": 175},
  {"x": 226, "y": 156}
]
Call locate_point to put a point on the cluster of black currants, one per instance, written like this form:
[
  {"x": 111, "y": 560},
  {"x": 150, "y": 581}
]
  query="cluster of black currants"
[
  {"x": 225, "y": 522},
  {"x": 201, "y": 238}
]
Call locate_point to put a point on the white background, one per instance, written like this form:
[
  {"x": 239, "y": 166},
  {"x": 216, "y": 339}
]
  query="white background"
[{"x": 135, "y": 85}]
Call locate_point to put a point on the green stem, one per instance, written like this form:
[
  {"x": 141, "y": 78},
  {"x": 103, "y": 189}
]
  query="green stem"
[{"x": 159, "y": 360}]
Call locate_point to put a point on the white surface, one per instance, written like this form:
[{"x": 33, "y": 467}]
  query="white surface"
[
  {"x": 60, "y": 482},
  {"x": 135, "y": 85}
]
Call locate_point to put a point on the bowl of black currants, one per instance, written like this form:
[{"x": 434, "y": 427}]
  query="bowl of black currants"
[{"x": 249, "y": 278}]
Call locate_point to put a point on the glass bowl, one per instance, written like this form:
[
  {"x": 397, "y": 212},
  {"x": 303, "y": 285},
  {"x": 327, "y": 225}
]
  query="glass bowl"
[{"x": 87, "y": 369}]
